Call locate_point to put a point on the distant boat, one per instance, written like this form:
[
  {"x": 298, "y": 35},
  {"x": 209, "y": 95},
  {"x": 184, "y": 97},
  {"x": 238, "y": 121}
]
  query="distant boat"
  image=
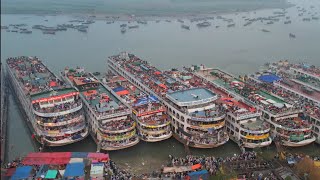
[
  {"x": 231, "y": 25},
  {"x": 247, "y": 24},
  {"x": 270, "y": 22},
  {"x": 123, "y": 25},
  {"x": 204, "y": 24},
  {"x": 264, "y": 30},
  {"x": 132, "y": 27},
  {"x": 157, "y": 21},
  {"x": 96, "y": 73},
  {"x": 168, "y": 21},
  {"x": 179, "y": 20},
  {"x": 306, "y": 19},
  {"x": 287, "y": 22},
  {"x": 110, "y": 22},
  {"x": 292, "y": 35},
  {"x": 185, "y": 27},
  {"x": 123, "y": 30},
  {"x": 217, "y": 26},
  {"x": 49, "y": 32},
  {"x": 25, "y": 32}
]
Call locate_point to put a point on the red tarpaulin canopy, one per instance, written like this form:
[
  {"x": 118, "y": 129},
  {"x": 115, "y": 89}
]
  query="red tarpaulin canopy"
[
  {"x": 53, "y": 84},
  {"x": 157, "y": 73},
  {"x": 47, "y": 158},
  {"x": 10, "y": 172},
  {"x": 163, "y": 86},
  {"x": 99, "y": 156},
  {"x": 196, "y": 166}
]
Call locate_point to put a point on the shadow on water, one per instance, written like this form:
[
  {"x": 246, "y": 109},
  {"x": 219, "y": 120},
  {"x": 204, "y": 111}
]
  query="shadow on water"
[{"x": 19, "y": 142}]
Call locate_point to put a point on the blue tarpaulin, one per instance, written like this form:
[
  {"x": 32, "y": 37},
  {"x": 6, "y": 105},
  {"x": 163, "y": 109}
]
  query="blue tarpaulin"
[
  {"x": 146, "y": 100},
  {"x": 117, "y": 89},
  {"x": 74, "y": 169},
  {"x": 196, "y": 175},
  {"x": 22, "y": 172},
  {"x": 144, "y": 67},
  {"x": 79, "y": 154},
  {"x": 269, "y": 78}
]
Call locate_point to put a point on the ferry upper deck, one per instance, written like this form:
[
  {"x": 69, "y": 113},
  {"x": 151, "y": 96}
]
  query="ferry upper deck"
[
  {"x": 183, "y": 91},
  {"x": 141, "y": 103},
  {"x": 250, "y": 93},
  {"x": 33, "y": 75},
  {"x": 101, "y": 102}
]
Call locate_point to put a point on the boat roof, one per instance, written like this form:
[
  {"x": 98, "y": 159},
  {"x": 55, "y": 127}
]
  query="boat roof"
[
  {"x": 100, "y": 99},
  {"x": 231, "y": 83},
  {"x": 178, "y": 86},
  {"x": 254, "y": 125},
  {"x": 298, "y": 88},
  {"x": 36, "y": 78},
  {"x": 190, "y": 95}
]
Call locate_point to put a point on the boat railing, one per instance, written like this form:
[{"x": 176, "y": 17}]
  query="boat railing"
[
  {"x": 301, "y": 128},
  {"x": 65, "y": 122},
  {"x": 72, "y": 109},
  {"x": 153, "y": 125},
  {"x": 259, "y": 130},
  {"x": 62, "y": 132},
  {"x": 192, "y": 103},
  {"x": 110, "y": 114},
  {"x": 246, "y": 115},
  {"x": 217, "y": 117},
  {"x": 214, "y": 126},
  {"x": 117, "y": 129},
  {"x": 119, "y": 137}
]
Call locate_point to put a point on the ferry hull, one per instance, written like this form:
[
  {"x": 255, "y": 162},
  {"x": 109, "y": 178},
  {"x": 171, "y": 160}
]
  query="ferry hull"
[
  {"x": 53, "y": 144},
  {"x": 122, "y": 147},
  {"x": 299, "y": 144},
  {"x": 156, "y": 139},
  {"x": 200, "y": 146},
  {"x": 254, "y": 145}
]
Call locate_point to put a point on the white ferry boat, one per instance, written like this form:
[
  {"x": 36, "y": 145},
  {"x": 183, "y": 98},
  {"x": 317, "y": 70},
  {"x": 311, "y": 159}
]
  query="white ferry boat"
[
  {"x": 283, "y": 117},
  {"x": 196, "y": 119},
  {"x": 153, "y": 124},
  {"x": 243, "y": 121},
  {"x": 300, "y": 83},
  {"x": 109, "y": 119},
  {"x": 53, "y": 110}
]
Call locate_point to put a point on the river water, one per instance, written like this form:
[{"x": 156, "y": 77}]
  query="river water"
[{"x": 236, "y": 49}]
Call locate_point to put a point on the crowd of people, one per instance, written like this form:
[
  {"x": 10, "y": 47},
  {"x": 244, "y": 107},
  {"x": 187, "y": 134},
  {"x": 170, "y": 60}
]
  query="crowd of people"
[
  {"x": 58, "y": 107},
  {"x": 154, "y": 119},
  {"x": 75, "y": 116},
  {"x": 118, "y": 125},
  {"x": 33, "y": 75}
]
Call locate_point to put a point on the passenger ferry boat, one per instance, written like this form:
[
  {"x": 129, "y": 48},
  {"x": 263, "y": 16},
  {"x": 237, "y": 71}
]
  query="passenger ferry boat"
[
  {"x": 153, "y": 124},
  {"x": 196, "y": 118},
  {"x": 300, "y": 83},
  {"x": 243, "y": 121},
  {"x": 109, "y": 119},
  {"x": 53, "y": 109},
  {"x": 283, "y": 117}
]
